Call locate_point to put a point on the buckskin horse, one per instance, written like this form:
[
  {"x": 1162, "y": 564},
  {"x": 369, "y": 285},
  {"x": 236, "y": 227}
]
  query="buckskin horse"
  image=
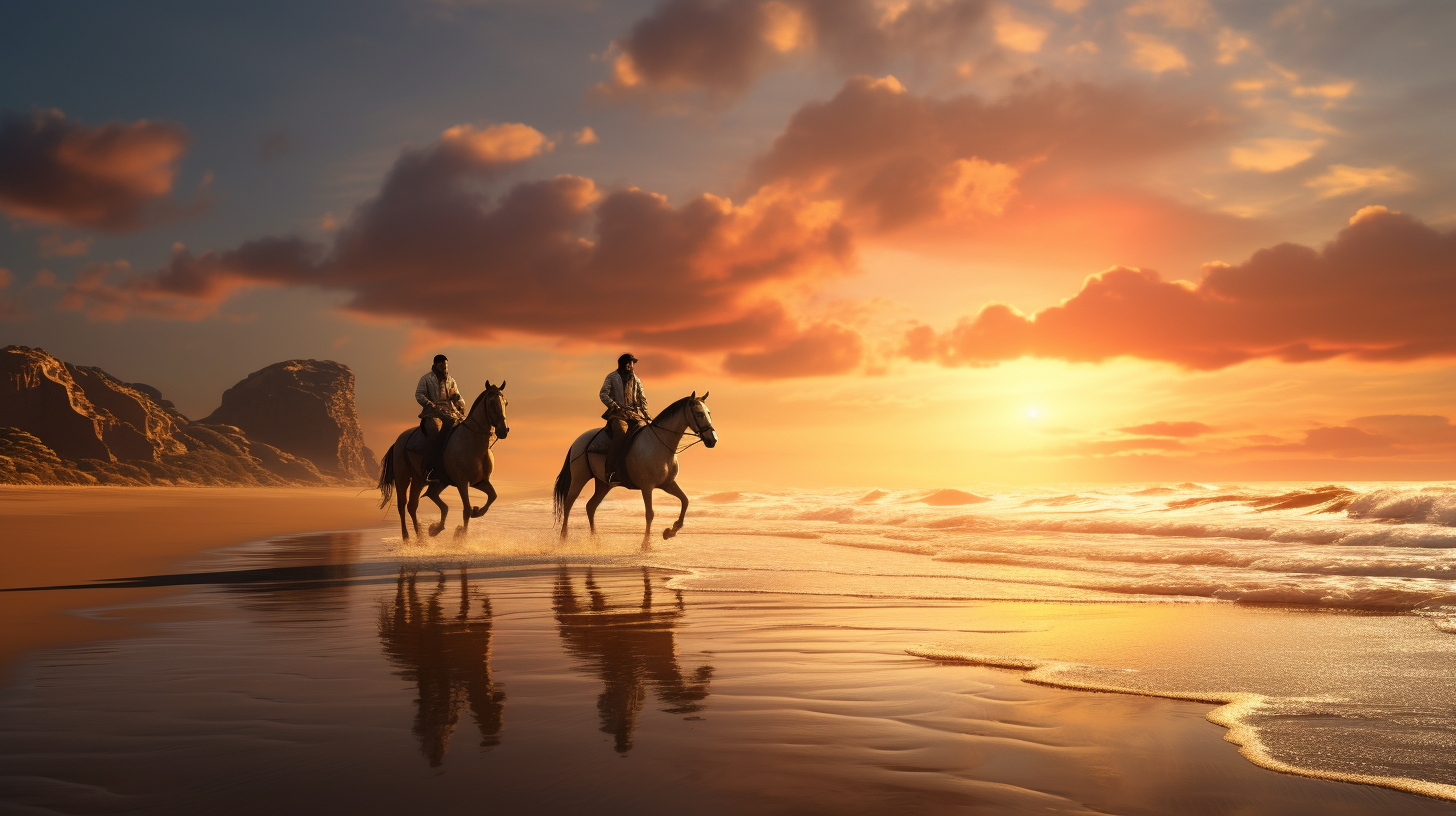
[
  {"x": 651, "y": 463},
  {"x": 468, "y": 463}
]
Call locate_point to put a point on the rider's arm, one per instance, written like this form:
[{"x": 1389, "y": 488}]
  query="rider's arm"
[
  {"x": 641, "y": 398},
  {"x": 422, "y": 396},
  {"x": 606, "y": 394}
]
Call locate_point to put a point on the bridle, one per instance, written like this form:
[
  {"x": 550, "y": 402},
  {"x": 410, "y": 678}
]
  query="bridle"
[
  {"x": 690, "y": 431},
  {"x": 489, "y": 425}
]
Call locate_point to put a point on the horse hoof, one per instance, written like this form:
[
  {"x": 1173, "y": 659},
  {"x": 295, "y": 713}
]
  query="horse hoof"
[
  {"x": 668, "y": 532},
  {"x": 436, "y": 529},
  {"x": 477, "y": 512}
]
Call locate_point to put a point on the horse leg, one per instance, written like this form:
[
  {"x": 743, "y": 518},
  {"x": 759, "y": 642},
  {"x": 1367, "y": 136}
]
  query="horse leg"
[
  {"x": 464, "y": 509},
  {"x": 433, "y": 494},
  {"x": 672, "y": 489},
  {"x": 571, "y": 495},
  {"x": 485, "y": 487},
  {"x": 414, "y": 505},
  {"x": 647, "y": 505},
  {"x": 401, "y": 487},
  {"x": 599, "y": 492}
]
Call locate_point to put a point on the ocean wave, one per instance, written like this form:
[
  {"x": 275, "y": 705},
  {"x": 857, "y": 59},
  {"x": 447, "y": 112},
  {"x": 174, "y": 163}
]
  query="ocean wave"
[
  {"x": 1430, "y": 505},
  {"x": 1238, "y": 711}
]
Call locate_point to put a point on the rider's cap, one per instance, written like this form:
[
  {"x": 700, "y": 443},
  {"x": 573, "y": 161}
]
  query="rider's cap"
[
  {"x": 625, "y": 357},
  {"x": 440, "y": 358}
]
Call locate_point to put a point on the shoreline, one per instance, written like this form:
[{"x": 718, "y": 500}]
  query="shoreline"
[
  {"x": 1230, "y": 710},
  {"x": 73, "y": 535}
]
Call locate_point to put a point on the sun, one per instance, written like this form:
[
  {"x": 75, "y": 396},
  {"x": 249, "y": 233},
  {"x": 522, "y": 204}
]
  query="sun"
[{"x": 1033, "y": 412}]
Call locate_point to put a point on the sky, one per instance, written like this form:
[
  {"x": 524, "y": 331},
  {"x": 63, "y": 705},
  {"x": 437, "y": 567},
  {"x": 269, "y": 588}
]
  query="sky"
[{"x": 902, "y": 243}]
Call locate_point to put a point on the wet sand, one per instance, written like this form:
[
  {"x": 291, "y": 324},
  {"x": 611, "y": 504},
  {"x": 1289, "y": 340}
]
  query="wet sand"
[
  {"x": 68, "y": 535},
  {"x": 315, "y": 673}
]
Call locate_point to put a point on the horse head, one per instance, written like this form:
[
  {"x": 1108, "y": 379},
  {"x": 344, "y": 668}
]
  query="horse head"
[
  {"x": 495, "y": 408},
  {"x": 702, "y": 419}
]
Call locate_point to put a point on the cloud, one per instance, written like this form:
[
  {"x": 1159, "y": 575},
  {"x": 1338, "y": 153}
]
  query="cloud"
[
  {"x": 825, "y": 348},
  {"x": 114, "y": 177},
  {"x": 585, "y": 136},
  {"x": 723, "y": 46},
  {"x": 1017, "y": 35},
  {"x": 1373, "y": 436},
  {"x": 556, "y": 258},
  {"x": 896, "y": 158},
  {"x": 1273, "y": 155},
  {"x": 54, "y": 245},
  {"x": 1381, "y": 291},
  {"x": 1156, "y": 55},
  {"x": 1342, "y": 179},
  {"x": 1172, "y": 429},
  {"x": 1113, "y": 447},
  {"x": 1172, "y": 13}
]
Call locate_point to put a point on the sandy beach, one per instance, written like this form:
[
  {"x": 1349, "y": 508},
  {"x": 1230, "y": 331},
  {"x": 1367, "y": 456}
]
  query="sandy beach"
[
  {"x": 69, "y": 535},
  {"x": 350, "y": 670}
]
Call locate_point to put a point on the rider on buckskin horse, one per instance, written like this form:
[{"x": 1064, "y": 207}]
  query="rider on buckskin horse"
[
  {"x": 443, "y": 407},
  {"x": 626, "y": 410}
]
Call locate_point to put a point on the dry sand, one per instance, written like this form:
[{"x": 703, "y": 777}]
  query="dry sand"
[{"x": 70, "y": 535}]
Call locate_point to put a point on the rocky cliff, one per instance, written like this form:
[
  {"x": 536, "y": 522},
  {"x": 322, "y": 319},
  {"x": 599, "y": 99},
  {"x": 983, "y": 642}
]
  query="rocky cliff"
[
  {"x": 66, "y": 424},
  {"x": 305, "y": 407}
]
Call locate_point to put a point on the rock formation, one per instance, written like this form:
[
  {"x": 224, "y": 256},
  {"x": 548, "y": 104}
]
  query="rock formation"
[
  {"x": 305, "y": 407},
  {"x": 66, "y": 424}
]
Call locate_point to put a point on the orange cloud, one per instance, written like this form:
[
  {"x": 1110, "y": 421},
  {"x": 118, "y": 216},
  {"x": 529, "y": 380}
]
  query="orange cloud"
[
  {"x": 1381, "y": 290},
  {"x": 825, "y": 348},
  {"x": 1170, "y": 429},
  {"x": 556, "y": 258},
  {"x": 722, "y": 46},
  {"x": 115, "y": 177},
  {"x": 896, "y": 158},
  {"x": 1374, "y": 436}
]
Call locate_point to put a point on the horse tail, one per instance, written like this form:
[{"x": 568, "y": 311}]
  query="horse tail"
[
  {"x": 386, "y": 478},
  {"x": 563, "y": 484}
]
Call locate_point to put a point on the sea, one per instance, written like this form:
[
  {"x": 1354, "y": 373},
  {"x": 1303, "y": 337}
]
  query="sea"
[{"x": 1319, "y": 620}]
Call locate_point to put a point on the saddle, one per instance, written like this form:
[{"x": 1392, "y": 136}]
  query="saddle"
[
  {"x": 601, "y": 443},
  {"x": 419, "y": 445}
]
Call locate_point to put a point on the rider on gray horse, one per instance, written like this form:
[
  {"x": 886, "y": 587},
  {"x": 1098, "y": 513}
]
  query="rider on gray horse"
[
  {"x": 443, "y": 407},
  {"x": 626, "y": 410}
]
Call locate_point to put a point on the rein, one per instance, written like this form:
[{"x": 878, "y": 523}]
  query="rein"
[
  {"x": 489, "y": 428},
  {"x": 688, "y": 431}
]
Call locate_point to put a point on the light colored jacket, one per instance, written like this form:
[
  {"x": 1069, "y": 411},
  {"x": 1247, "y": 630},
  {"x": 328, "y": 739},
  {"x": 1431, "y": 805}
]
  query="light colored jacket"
[
  {"x": 623, "y": 398},
  {"x": 439, "y": 399}
]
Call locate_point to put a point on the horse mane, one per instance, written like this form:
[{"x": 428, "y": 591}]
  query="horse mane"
[
  {"x": 478, "y": 398},
  {"x": 673, "y": 407}
]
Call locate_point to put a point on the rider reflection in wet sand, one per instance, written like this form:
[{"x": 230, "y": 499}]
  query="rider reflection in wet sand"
[
  {"x": 448, "y": 658},
  {"x": 631, "y": 649}
]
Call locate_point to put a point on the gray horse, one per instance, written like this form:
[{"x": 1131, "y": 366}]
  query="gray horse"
[
  {"x": 651, "y": 464},
  {"x": 468, "y": 463}
]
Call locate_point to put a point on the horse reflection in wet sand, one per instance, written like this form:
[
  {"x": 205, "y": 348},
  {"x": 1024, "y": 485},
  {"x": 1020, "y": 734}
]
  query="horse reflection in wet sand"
[
  {"x": 446, "y": 656},
  {"x": 631, "y": 649}
]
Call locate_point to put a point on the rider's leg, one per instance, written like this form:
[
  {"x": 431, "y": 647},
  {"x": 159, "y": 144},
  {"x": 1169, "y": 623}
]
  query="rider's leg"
[
  {"x": 617, "y": 427},
  {"x": 435, "y": 456}
]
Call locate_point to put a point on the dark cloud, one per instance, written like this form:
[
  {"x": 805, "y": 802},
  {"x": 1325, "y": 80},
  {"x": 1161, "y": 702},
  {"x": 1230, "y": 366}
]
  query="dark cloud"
[
  {"x": 722, "y": 46},
  {"x": 555, "y": 258},
  {"x": 1381, "y": 291},
  {"x": 117, "y": 176}
]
